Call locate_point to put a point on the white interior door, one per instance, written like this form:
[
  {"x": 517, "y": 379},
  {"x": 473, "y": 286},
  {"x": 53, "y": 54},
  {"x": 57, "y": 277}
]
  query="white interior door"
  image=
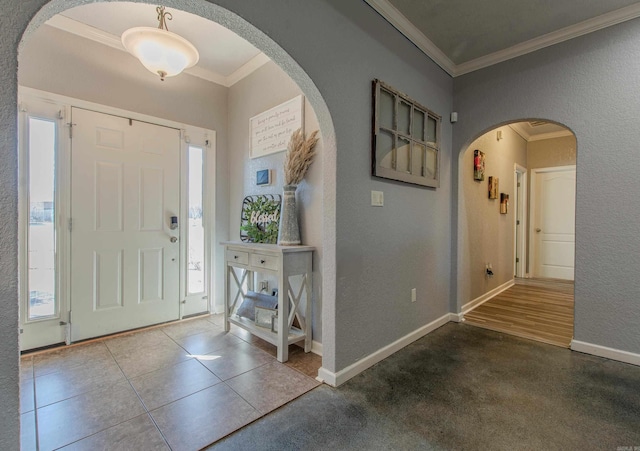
[
  {"x": 553, "y": 222},
  {"x": 125, "y": 187}
]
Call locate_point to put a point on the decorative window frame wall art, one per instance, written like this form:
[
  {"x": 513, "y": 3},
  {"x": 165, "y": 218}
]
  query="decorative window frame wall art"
[
  {"x": 504, "y": 203},
  {"x": 271, "y": 130},
  {"x": 259, "y": 218},
  {"x": 493, "y": 187},
  {"x": 478, "y": 165},
  {"x": 405, "y": 142}
]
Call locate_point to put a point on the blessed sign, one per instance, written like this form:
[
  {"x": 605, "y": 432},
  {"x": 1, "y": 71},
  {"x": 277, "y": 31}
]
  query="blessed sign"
[
  {"x": 271, "y": 130},
  {"x": 259, "y": 218}
]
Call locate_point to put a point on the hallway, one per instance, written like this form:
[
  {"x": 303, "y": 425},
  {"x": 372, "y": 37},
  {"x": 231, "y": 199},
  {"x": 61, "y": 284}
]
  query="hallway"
[{"x": 537, "y": 309}]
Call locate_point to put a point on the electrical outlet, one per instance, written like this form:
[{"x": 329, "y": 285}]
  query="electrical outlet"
[
  {"x": 488, "y": 270},
  {"x": 413, "y": 295}
]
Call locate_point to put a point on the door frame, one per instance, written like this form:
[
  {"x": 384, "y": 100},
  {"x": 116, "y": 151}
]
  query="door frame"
[
  {"x": 532, "y": 213},
  {"x": 63, "y": 186},
  {"x": 521, "y": 209}
]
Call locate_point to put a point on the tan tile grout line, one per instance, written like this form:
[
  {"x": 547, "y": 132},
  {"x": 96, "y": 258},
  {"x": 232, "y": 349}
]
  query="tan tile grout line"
[
  {"x": 147, "y": 412},
  {"x": 260, "y": 414},
  {"x": 99, "y": 339},
  {"x": 115, "y": 335}
]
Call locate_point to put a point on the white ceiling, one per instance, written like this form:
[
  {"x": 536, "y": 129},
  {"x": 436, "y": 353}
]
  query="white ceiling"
[
  {"x": 225, "y": 57},
  {"x": 466, "y": 35},
  {"x": 539, "y": 130}
]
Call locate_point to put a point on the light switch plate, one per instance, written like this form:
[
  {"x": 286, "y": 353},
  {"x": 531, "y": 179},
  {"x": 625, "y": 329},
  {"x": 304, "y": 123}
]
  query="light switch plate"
[{"x": 377, "y": 198}]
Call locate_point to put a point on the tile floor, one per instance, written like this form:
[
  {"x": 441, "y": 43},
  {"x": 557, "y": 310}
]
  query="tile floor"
[{"x": 181, "y": 386}]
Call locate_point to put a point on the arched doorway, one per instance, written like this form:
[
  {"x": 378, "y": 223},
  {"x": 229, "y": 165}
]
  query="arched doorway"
[
  {"x": 516, "y": 235},
  {"x": 232, "y": 21},
  {"x": 280, "y": 57}
]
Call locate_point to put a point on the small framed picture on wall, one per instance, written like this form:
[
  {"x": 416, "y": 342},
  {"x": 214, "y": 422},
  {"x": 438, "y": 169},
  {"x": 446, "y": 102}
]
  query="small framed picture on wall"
[
  {"x": 263, "y": 177},
  {"x": 478, "y": 165},
  {"x": 504, "y": 203},
  {"x": 493, "y": 187}
]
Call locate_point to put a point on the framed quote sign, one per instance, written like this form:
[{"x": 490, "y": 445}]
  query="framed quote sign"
[{"x": 271, "y": 130}]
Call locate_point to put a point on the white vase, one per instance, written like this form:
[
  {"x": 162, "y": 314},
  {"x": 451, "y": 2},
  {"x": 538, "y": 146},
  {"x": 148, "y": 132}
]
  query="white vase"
[{"x": 289, "y": 231}]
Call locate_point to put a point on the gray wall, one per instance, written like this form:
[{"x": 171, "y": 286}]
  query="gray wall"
[
  {"x": 379, "y": 253},
  {"x": 486, "y": 235},
  {"x": 590, "y": 85},
  {"x": 265, "y": 88}
]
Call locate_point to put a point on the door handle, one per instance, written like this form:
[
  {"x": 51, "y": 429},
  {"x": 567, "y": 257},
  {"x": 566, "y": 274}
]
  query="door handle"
[
  {"x": 538, "y": 230},
  {"x": 173, "y": 239}
]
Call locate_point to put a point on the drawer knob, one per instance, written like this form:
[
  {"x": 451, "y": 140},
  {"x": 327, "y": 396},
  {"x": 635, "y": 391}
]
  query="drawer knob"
[
  {"x": 262, "y": 262},
  {"x": 235, "y": 257}
]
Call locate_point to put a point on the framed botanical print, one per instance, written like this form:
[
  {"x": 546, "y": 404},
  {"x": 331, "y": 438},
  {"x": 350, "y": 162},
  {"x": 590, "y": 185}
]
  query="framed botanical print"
[{"x": 478, "y": 165}]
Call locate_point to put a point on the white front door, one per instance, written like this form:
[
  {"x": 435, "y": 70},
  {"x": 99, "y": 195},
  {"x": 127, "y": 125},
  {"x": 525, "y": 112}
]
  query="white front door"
[
  {"x": 125, "y": 188},
  {"x": 553, "y": 222}
]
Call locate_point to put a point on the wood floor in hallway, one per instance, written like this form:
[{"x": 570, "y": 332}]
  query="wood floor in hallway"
[{"x": 538, "y": 309}]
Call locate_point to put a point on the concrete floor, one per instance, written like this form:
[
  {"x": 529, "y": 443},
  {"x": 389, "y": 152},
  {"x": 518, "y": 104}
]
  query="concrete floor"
[{"x": 463, "y": 387}]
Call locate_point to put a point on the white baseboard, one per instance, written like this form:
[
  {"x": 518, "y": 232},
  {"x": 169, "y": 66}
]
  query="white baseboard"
[
  {"x": 316, "y": 348},
  {"x": 608, "y": 353},
  {"x": 456, "y": 317},
  {"x": 485, "y": 297},
  {"x": 342, "y": 376}
]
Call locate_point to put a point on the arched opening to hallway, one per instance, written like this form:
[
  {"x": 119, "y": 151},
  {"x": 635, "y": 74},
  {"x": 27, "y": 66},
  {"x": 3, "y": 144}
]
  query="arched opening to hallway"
[{"x": 517, "y": 230}]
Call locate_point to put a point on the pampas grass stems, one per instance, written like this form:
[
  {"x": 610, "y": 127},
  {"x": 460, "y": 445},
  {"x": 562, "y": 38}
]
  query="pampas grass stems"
[{"x": 300, "y": 153}]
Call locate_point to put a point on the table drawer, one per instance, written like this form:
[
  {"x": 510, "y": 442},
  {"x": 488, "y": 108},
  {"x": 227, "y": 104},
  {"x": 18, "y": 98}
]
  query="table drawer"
[
  {"x": 237, "y": 257},
  {"x": 264, "y": 261}
]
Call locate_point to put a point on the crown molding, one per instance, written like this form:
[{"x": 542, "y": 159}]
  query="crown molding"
[
  {"x": 550, "y": 135},
  {"x": 248, "y": 68},
  {"x": 88, "y": 32},
  {"x": 404, "y": 26},
  {"x": 549, "y": 39},
  {"x": 207, "y": 75},
  {"x": 69, "y": 25},
  {"x": 516, "y": 127},
  {"x": 519, "y": 129}
]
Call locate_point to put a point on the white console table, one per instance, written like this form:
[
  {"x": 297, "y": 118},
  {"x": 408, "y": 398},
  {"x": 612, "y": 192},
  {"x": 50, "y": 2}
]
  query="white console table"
[{"x": 242, "y": 261}]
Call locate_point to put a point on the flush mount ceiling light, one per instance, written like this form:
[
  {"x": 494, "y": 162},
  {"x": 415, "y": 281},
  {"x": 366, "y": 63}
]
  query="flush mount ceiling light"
[{"x": 162, "y": 52}]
